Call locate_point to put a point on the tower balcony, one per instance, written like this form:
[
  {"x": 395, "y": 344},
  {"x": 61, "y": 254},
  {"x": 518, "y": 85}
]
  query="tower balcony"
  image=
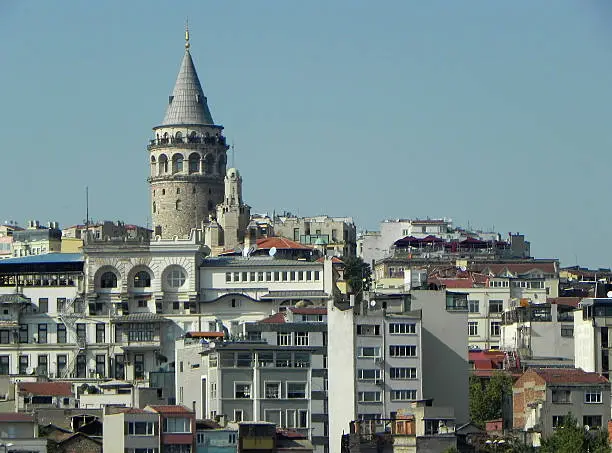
[{"x": 189, "y": 142}]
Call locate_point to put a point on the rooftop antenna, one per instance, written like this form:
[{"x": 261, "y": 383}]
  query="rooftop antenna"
[{"x": 233, "y": 155}]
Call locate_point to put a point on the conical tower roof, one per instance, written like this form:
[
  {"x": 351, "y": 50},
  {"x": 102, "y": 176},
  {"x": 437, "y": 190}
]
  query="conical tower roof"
[{"x": 187, "y": 104}]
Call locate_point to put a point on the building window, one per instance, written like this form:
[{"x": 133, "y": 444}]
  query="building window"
[
  {"x": 369, "y": 374},
  {"x": 560, "y": 396},
  {"x": 283, "y": 338},
  {"x": 23, "y": 333},
  {"x": 496, "y": 306},
  {"x": 108, "y": 280},
  {"x": 273, "y": 416},
  {"x": 228, "y": 277},
  {"x": 474, "y": 306},
  {"x": 558, "y": 420},
  {"x": 472, "y": 328},
  {"x": 242, "y": 390},
  {"x": 456, "y": 302},
  {"x": 119, "y": 366},
  {"x": 175, "y": 277},
  {"x": 495, "y": 328},
  {"x": 81, "y": 332},
  {"x": 61, "y": 333},
  {"x": 297, "y": 418},
  {"x": 42, "y": 333},
  {"x": 62, "y": 360},
  {"x": 301, "y": 339},
  {"x": 368, "y": 329},
  {"x": 403, "y": 373},
  {"x": 296, "y": 390},
  {"x": 317, "y": 276},
  {"x": 42, "y": 369},
  {"x": 238, "y": 415},
  {"x": 43, "y": 305},
  {"x": 402, "y": 350},
  {"x": 142, "y": 279},
  {"x": 592, "y": 397},
  {"x": 369, "y": 397},
  {"x": 592, "y": 421},
  {"x": 81, "y": 366},
  {"x": 567, "y": 331},
  {"x": 177, "y": 425},
  {"x": 139, "y": 366},
  {"x": 368, "y": 352},
  {"x": 5, "y": 337},
  {"x": 23, "y": 364},
  {"x": 402, "y": 328},
  {"x": 100, "y": 365},
  {"x": 139, "y": 429},
  {"x": 403, "y": 395},
  {"x": 100, "y": 333},
  {"x": 4, "y": 365},
  {"x": 273, "y": 390}
]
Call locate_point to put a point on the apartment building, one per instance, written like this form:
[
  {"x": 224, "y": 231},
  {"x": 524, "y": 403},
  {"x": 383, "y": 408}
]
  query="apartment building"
[
  {"x": 19, "y": 433},
  {"x": 542, "y": 397},
  {"x": 394, "y": 349},
  {"x": 275, "y": 373},
  {"x": 334, "y": 236},
  {"x": 540, "y": 330},
  {"x": 592, "y": 326},
  {"x": 177, "y": 428},
  {"x": 130, "y": 430},
  {"x": 37, "y": 239}
]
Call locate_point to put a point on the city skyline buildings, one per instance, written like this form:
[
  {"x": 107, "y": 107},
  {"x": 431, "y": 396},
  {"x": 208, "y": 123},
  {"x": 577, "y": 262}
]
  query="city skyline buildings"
[{"x": 85, "y": 87}]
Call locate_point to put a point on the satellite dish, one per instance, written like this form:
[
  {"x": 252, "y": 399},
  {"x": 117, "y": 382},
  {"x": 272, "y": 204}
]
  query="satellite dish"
[
  {"x": 29, "y": 370},
  {"x": 463, "y": 268},
  {"x": 205, "y": 250},
  {"x": 609, "y": 294},
  {"x": 272, "y": 252},
  {"x": 372, "y": 303}
]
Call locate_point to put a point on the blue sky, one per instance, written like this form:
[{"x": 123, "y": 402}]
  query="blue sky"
[{"x": 494, "y": 114}]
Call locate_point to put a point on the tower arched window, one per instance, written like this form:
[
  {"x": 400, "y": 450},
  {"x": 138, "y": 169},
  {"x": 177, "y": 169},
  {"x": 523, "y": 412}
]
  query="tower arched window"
[
  {"x": 163, "y": 164},
  {"x": 178, "y": 205},
  {"x": 177, "y": 163},
  {"x": 154, "y": 208},
  {"x": 194, "y": 163},
  {"x": 142, "y": 279},
  {"x": 108, "y": 280},
  {"x": 209, "y": 164},
  {"x": 178, "y": 137}
]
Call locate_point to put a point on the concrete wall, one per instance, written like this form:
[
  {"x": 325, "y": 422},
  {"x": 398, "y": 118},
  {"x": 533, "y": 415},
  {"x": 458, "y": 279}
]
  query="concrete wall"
[{"x": 445, "y": 352}]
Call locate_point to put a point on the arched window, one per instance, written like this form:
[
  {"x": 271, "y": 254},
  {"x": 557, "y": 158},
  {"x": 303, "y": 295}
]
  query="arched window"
[
  {"x": 178, "y": 137},
  {"x": 177, "y": 163},
  {"x": 193, "y": 137},
  {"x": 178, "y": 205},
  {"x": 153, "y": 160},
  {"x": 221, "y": 165},
  {"x": 154, "y": 208},
  {"x": 163, "y": 164},
  {"x": 209, "y": 163},
  {"x": 142, "y": 279},
  {"x": 108, "y": 280},
  {"x": 194, "y": 163},
  {"x": 175, "y": 277}
]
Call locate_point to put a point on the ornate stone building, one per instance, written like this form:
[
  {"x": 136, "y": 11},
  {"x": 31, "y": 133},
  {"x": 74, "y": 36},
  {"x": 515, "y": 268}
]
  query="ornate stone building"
[{"x": 187, "y": 158}]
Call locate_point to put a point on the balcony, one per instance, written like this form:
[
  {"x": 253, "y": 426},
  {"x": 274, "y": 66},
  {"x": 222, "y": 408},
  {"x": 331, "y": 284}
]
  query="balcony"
[{"x": 189, "y": 142}]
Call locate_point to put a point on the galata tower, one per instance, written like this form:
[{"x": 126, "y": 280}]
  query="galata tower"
[{"x": 187, "y": 158}]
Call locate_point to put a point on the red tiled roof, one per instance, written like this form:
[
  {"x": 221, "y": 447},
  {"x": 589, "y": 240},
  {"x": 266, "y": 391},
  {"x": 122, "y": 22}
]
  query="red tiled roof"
[
  {"x": 205, "y": 334},
  {"x": 567, "y": 301},
  {"x": 280, "y": 243},
  {"x": 170, "y": 409},
  {"x": 309, "y": 310},
  {"x": 569, "y": 376},
  {"x": 15, "y": 417},
  {"x": 46, "y": 388},
  {"x": 454, "y": 282},
  {"x": 277, "y": 318}
]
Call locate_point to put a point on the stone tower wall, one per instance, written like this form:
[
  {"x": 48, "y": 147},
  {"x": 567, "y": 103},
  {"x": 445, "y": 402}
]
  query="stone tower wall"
[{"x": 183, "y": 196}]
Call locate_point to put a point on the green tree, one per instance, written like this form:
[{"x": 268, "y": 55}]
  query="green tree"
[
  {"x": 572, "y": 438},
  {"x": 358, "y": 275},
  {"x": 486, "y": 400}
]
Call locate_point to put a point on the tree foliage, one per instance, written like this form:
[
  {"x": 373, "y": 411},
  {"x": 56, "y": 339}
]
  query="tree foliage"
[
  {"x": 573, "y": 438},
  {"x": 486, "y": 400},
  {"x": 358, "y": 275}
]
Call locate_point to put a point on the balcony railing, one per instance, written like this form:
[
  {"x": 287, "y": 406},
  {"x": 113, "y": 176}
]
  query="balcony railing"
[{"x": 194, "y": 141}]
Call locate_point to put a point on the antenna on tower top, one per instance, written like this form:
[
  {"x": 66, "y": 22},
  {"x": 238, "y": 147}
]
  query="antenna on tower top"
[
  {"x": 233, "y": 155},
  {"x": 187, "y": 33}
]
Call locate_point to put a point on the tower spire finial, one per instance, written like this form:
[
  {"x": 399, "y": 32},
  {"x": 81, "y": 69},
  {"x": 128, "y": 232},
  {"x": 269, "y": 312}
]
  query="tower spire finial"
[{"x": 187, "y": 33}]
